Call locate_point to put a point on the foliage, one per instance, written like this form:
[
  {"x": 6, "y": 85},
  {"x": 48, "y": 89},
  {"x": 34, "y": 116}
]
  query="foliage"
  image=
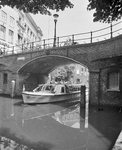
[
  {"x": 38, "y": 6},
  {"x": 69, "y": 72},
  {"x": 106, "y": 10},
  {"x": 65, "y": 73}
]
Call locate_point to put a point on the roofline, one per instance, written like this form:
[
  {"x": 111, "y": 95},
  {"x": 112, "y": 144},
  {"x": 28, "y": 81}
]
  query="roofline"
[{"x": 34, "y": 24}]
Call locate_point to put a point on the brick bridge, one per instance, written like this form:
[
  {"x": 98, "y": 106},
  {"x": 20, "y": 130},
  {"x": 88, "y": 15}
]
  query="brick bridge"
[{"x": 101, "y": 58}]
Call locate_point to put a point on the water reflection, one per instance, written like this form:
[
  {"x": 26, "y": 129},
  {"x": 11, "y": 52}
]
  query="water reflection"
[
  {"x": 67, "y": 116},
  {"x": 70, "y": 117},
  {"x": 57, "y": 126},
  {"x": 6, "y": 143},
  {"x": 39, "y": 124}
]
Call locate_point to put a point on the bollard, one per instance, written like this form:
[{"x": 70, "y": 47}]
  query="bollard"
[
  {"x": 83, "y": 95},
  {"x": 13, "y": 88},
  {"x": 85, "y": 104},
  {"x": 23, "y": 88},
  {"x": 82, "y": 101}
]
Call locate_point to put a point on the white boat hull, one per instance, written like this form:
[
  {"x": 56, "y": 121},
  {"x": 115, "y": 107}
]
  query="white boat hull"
[{"x": 29, "y": 97}]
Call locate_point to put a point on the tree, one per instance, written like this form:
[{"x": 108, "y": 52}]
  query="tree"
[
  {"x": 69, "y": 72},
  {"x": 64, "y": 73},
  {"x": 37, "y": 6},
  {"x": 106, "y": 10}
]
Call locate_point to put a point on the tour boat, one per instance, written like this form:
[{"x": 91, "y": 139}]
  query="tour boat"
[{"x": 51, "y": 93}]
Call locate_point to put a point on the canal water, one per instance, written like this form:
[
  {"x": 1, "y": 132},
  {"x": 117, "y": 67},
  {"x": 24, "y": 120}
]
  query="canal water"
[{"x": 57, "y": 126}]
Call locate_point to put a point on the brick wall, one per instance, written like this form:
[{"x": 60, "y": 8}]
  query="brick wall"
[
  {"x": 94, "y": 87},
  {"x": 110, "y": 97},
  {"x": 99, "y": 57}
]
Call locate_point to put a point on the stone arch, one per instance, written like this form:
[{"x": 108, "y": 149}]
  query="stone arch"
[
  {"x": 38, "y": 69},
  {"x": 48, "y": 63}
]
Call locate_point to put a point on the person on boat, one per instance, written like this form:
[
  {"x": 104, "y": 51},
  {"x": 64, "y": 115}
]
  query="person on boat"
[
  {"x": 57, "y": 89},
  {"x": 67, "y": 89}
]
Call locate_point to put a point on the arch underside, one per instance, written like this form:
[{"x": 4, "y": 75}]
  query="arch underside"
[{"x": 44, "y": 65}]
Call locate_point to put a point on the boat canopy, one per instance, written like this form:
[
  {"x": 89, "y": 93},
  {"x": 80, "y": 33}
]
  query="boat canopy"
[{"x": 56, "y": 88}]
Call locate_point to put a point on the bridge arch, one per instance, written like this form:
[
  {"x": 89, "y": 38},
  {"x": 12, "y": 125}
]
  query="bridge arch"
[
  {"x": 101, "y": 58},
  {"x": 37, "y": 70},
  {"x": 45, "y": 64}
]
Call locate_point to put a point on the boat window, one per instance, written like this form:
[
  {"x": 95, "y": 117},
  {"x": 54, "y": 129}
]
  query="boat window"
[
  {"x": 48, "y": 88},
  {"x": 38, "y": 88},
  {"x": 67, "y": 89},
  {"x": 62, "y": 90},
  {"x": 52, "y": 89},
  {"x": 58, "y": 89}
]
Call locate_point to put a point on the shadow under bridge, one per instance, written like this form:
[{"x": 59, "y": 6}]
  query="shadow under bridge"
[{"x": 45, "y": 64}]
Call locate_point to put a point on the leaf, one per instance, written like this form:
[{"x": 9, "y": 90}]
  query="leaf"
[
  {"x": 38, "y": 6},
  {"x": 105, "y": 10}
]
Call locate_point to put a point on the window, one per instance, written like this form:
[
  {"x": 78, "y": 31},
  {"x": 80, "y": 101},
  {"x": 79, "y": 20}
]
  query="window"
[
  {"x": 28, "y": 31},
  {"x": 62, "y": 90},
  {"x": 113, "y": 81},
  {"x": 2, "y": 32},
  {"x": 78, "y": 81},
  {"x": 5, "y": 77},
  {"x": 10, "y": 36},
  {"x": 19, "y": 39},
  {"x": 3, "y": 16},
  {"x": 25, "y": 26},
  {"x": 20, "y": 20},
  {"x": 12, "y": 21}
]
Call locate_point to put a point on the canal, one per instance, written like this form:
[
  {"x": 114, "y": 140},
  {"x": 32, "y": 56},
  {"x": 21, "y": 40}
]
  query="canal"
[{"x": 57, "y": 126}]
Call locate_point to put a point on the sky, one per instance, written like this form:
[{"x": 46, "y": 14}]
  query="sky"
[{"x": 71, "y": 21}]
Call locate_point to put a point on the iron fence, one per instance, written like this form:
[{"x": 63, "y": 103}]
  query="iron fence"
[{"x": 111, "y": 31}]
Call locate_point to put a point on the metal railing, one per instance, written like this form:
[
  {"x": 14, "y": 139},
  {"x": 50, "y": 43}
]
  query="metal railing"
[{"x": 82, "y": 38}]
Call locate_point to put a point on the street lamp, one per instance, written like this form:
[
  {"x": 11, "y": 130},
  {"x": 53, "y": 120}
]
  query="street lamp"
[{"x": 55, "y": 21}]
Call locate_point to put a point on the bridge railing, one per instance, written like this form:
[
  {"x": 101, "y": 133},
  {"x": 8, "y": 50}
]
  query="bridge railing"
[{"x": 82, "y": 38}]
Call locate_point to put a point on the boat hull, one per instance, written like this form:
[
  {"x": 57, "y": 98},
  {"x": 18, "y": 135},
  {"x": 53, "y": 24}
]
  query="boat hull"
[{"x": 33, "y": 98}]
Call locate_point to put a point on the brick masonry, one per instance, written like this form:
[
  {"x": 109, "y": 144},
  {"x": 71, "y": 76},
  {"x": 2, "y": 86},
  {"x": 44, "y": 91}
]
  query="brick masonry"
[{"x": 100, "y": 58}]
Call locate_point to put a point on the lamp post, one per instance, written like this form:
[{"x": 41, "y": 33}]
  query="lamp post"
[{"x": 55, "y": 21}]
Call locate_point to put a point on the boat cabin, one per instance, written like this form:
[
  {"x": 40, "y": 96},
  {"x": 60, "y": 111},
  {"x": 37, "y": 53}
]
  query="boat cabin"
[
  {"x": 57, "y": 89},
  {"x": 61, "y": 88}
]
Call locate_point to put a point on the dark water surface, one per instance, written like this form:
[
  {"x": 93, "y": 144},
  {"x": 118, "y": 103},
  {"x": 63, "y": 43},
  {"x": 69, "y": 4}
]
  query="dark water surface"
[{"x": 57, "y": 126}]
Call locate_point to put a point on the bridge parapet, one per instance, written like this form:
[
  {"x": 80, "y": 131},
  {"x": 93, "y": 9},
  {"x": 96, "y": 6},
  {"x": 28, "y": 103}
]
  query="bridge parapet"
[
  {"x": 82, "y": 38},
  {"x": 102, "y": 58},
  {"x": 83, "y": 53}
]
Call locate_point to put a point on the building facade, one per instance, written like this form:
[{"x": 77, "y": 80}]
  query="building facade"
[
  {"x": 78, "y": 74},
  {"x": 18, "y": 30}
]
